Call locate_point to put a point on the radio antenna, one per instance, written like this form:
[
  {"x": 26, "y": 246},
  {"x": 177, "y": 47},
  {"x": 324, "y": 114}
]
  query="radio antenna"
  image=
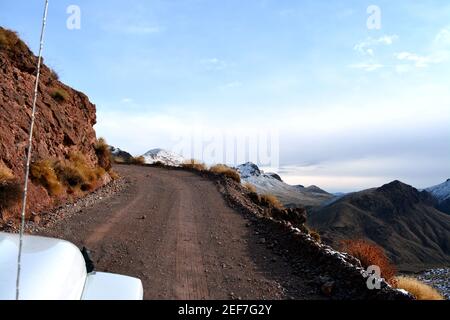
[{"x": 30, "y": 144}]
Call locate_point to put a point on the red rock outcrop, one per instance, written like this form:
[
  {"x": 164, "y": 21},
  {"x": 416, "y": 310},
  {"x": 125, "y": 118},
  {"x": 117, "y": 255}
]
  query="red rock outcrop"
[{"x": 64, "y": 119}]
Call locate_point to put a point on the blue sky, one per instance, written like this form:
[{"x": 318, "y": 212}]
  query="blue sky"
[{"x": 354, "y": 107}]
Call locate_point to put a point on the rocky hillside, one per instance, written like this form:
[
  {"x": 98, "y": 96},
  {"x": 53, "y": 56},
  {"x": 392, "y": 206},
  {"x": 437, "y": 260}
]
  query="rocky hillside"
[
  {"x": 64, "y": 119},
  {"x": 290, "y": 196},
  {"x": 397, "y": 217}
]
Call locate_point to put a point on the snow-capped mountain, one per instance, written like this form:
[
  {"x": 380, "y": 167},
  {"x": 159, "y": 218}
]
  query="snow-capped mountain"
[
  {"x": 164, "y": 156},
  {"x": 441, "y": 192},
  {"x": 289, "y": 195}
]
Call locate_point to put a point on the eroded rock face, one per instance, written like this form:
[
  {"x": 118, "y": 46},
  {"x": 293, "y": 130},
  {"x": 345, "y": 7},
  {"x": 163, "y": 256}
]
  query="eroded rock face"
[{"x": 64, "y": 118}]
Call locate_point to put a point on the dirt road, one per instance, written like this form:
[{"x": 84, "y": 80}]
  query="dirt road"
[{"x": 173, "y": 230}]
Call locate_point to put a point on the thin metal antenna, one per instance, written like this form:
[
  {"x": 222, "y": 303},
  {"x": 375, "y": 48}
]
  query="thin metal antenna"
[{"x": 30, "y": 144}]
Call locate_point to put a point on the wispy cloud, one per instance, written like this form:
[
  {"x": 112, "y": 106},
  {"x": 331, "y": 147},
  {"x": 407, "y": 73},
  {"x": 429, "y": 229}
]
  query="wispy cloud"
[
  {"x": 423, "y": 61},
  {"x": 141, "y": 29},
  {"x": 438, "y": 52},
  {"x": 215, "y": 64},
  {"x": 128, "y": 26},
  {"x": 230, "y": 85},
  {"x": 369, "y": 67},
  {"x": 443, "y": 37},
  {"x": 366, "y": 47}
]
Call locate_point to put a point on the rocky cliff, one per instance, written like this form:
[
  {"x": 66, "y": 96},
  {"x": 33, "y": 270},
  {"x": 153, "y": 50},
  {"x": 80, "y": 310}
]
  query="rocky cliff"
[{"x": 64, "y": 119}]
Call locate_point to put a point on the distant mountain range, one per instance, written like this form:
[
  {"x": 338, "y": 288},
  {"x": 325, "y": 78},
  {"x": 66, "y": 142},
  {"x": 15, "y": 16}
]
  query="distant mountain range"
[{"x": 398, "y": 217}]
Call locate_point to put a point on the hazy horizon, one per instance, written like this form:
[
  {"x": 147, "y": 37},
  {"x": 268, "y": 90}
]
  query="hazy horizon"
[{"x": 353, "y": 107}]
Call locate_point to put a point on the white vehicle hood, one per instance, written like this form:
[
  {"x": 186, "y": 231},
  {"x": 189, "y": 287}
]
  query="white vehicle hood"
[{"x": 51, "y": 269}]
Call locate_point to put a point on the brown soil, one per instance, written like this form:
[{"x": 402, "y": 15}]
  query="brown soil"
[{"x": 174, "y": 231}]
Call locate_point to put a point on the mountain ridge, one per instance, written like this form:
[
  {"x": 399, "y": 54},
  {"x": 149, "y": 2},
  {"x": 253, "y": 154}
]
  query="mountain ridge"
[{"x": 398, "y": 217}]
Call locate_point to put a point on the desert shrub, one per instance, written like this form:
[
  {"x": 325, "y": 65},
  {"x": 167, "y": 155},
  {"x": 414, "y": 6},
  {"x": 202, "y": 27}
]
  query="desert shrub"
[
  {"x": 114, "y": 175},
  {"x": 75, "y": 172},
  {"x": 315, "y": 235},
  {"x": 226, "y": 171},
  {"x": 10, "y": 193},
  {"x": 271, "y": 200},
  {"x": 251, "y": 188},
  {"x": 69, "y": 174},
  {"x": 370, "y": 255},
  {"x": 44, "y": 173},
  {"x": 9, "y": 39},
  {"x": 5, "y": 173},
  {"x": 194, "y": 165},
  {"x": 54, "y": 75},
  {"x": 10, "y": 189},
  {"x": 103, "y": 153},
  {"x": 60, "y": 95},
  {"x": 417, "y": 288},
  {"x": 138, "y": 160}
]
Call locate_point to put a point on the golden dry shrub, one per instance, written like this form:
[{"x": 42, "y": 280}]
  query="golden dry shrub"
[
  {"x": 10, "y": 188},
  {"x": 226, "y": 171},
  {"x": 417, "y": 288},
  {"x": 59, "y": 95},
  {"x": 44, "y": 173},
  {"x": 370, "y": 254},
  {"x": 138, "y": 161},
  {"x": 315, "y": 235},
  {"x": 251, "y": 188},
  {"x": 194, "y": 165},
  {"x": 9, "y": 40},
  {"x": 114, "y": 175},
  {"x": 5, "y": 173},
  {"x": 271, "y": 200},
  {"x": 103, "y": 153},
  {"x": 76, "y": 173}
]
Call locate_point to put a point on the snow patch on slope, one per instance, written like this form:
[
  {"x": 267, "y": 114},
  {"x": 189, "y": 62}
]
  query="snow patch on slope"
[
  {"x": 164, "y": 156},
  {"x": 441, "y": 192}
]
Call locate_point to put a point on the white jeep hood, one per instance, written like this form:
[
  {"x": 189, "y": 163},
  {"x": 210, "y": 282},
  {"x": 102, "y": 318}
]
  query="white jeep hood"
[{"x": 51, "y": 269}]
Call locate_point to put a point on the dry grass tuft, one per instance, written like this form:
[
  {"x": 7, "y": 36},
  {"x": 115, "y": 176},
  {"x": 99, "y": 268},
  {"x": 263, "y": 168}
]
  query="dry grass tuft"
[
  {"x": 194, "y": 165},
  {"x": 5, "y": 173},
  {"x": 10, "y": 189},
  {"x": 272, "y": 201},
  {"x": 251, "y": 188},
  {"x": 72, "y": 174},
  {"x": 138, "y": 160},
  {"x": 9, "y": 40},
  {"x": 226, "y": 171},
  {"x": 114, "y": 175},
  {"x": 103, "y": 153},
  {"x": 417, "y": 288},
  {"x": 43, "y": 172},
  {"x": 315, "y": 235},
  {"x": 60, "y": 95},
  {"x": 370, "y": 255}
]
